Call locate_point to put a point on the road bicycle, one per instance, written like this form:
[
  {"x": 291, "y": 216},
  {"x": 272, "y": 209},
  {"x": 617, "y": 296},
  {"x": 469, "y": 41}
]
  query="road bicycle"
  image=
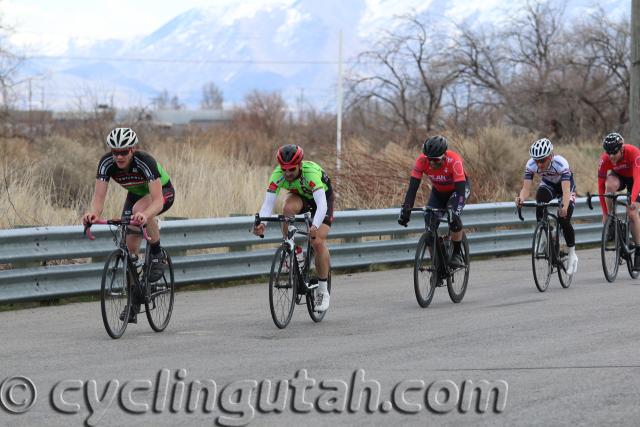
[
  {"x": 287, "y": 288},
  {"x": 431, "y": 267},
  {"x": 125, "y": 283},
  {"x": 616, "y": 245},
  {"x": 546, "y": 258}
]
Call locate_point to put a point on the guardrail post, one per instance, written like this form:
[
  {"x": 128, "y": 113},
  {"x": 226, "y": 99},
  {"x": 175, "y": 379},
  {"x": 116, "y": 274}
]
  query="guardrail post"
[{"x": 238, "y": 248}]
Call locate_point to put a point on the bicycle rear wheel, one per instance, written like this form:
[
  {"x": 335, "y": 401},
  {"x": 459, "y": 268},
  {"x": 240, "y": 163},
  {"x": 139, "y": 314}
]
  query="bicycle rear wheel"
[
  {"x": 115, "y": 295},
  {"x": 425, "y": 274},
  {"x": 610, "y": 249},
  {"x": 160, "y": 295},
  {"x": 457, "y": 281},
  {"x": 540, "y": 257},
  {"x": 282, "y": 288},
  {"x": 562, "y": 252}
]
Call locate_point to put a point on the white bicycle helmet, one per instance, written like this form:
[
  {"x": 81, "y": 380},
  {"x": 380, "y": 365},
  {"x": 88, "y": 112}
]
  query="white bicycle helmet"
[
  {"x": 122, "y": 138},
  {"x": 541, "y": 149}
]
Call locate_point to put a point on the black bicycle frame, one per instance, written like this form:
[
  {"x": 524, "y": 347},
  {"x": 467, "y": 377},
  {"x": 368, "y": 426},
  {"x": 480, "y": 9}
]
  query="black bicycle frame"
[
  {"x": 555, "y": 247},
  {"x": 441, "y": 254},
  {"x": 621, "y": 224},
  {"x": 288, "y": 244}
]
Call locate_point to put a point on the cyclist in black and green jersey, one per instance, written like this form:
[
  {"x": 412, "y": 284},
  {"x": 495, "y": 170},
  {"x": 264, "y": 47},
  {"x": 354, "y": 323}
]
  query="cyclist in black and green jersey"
[
  {"x": 149, "y": 192},
  {"x": 309, "y": 191}
]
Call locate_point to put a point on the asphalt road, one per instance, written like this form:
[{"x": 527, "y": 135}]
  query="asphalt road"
[{"x": 563, "y": 357}]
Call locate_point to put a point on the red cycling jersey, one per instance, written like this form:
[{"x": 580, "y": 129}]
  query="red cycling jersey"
[
  {"x": 444, "y": 178},
  {"x": 628, "y": 167}
]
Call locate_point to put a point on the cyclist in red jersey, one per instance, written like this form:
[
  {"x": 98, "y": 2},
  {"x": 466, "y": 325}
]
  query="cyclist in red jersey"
[
  {"x": 450, "y": 187},
  {"x": 619, "y": 168}
]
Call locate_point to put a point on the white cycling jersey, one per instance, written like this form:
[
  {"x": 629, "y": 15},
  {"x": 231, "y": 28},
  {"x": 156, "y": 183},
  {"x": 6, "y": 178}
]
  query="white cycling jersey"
[{"x": 557, "y": 171}]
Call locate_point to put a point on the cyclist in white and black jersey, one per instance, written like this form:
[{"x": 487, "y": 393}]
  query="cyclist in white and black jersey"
[{"x": 557, "y": 182}]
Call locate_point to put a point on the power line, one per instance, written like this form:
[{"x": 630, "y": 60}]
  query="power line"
[{"x": 187, "y": 61}]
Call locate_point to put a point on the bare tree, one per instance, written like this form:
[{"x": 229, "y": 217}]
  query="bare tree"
[
  {"x": 515, "y": 66},
  {"x": 212, "y": 97},
  {"x": 603, "y": 64},
  {"x": 549, "y": 78},
  {"x": 411, "y": 70},
  {"x": 264, "y": 111},
  {"x": 9, "y": 62}
]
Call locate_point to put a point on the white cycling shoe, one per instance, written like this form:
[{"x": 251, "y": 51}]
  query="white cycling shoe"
[
  {"x": 322, "y": 298},
  {"x": 572, "y": 264}
]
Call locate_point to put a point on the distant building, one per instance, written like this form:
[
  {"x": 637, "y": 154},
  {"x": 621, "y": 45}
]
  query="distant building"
[{"x": 175, "y": 119}]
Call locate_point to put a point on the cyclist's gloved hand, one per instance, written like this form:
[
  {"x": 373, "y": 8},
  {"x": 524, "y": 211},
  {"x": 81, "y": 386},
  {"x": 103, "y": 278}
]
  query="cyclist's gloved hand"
[{"x": 405, "y": 215}]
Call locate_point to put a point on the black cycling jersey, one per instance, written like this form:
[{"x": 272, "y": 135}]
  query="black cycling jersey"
[{"x": 143, "y": 169}]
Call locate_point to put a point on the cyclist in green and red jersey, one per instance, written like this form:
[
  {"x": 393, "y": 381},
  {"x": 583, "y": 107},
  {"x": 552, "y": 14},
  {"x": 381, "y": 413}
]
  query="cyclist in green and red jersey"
[{"x": 309, "y": 191}]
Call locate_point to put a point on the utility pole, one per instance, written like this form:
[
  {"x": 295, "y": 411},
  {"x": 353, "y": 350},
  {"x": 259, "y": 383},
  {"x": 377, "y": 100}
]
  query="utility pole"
[
  {"x": 339, "y": 106},
  {"x": 634, "y": 97}
]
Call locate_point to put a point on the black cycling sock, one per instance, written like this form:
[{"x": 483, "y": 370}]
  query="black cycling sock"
[
  {"x": 457, "y": 246},
  {"x": 155, "y": 247}
]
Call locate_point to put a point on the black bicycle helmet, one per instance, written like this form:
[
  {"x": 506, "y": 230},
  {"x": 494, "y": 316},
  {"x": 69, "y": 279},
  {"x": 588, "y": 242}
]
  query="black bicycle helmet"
[
  {"x": 612, "y": 142},
  {"x": 435, "y": 146}
]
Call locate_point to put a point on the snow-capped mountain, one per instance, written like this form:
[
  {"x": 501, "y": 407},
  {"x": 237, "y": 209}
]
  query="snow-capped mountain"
[{"x": 290, "y": 46}]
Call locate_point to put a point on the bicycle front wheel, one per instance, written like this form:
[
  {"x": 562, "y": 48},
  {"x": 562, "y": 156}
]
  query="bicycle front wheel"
[
  {"x": 540, "y": 257},
  {"x": 625, "y": 229},
  {"x": 457, "y": 281},
  {"x": 282, "y": 287},
  {"x": 610, "y": 249},
  {"x": 562, "y": 251},
  {"x": 115, "y": 295},
  {"x": 160, "y": 295},
  {"x": 425, "y": 273}
]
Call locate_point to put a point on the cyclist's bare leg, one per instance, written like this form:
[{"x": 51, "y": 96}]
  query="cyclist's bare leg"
[
  {"x": 292, "y": 206},
  {"x": 611, "y": 185},
  {"x": 456, "y": 236},
  {"x": 634, "y": 224},
  {"x": 133, "y": 240},
  {"x": 319, "y": 245}
]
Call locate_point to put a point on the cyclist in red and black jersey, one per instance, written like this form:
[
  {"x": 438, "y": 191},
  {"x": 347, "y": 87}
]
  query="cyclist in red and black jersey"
[
  {"x": 149, "y": 193},
  {"x": 619, "y": 169},
  {"x": 450, "y": 187}
]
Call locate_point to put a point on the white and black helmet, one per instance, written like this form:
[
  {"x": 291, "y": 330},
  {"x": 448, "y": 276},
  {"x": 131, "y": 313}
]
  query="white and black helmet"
[
  {"x": 541, "y": 149},
  {"x": 122, "y": 138}
]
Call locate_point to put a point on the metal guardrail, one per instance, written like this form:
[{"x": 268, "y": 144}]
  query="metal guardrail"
[{"x": 358, "y": 239}]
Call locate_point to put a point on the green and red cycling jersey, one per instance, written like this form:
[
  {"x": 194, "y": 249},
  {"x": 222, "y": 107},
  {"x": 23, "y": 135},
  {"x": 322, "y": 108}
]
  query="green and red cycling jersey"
[{"x": 312, "y": 178}]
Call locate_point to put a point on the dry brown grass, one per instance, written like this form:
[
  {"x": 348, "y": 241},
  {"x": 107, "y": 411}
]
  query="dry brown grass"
[{"x": 225, "y": 171}]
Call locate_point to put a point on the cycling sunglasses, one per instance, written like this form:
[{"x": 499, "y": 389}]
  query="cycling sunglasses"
[
  {"x": 435, "y": 159},
  {"x": 120, "y": 153},
  {"x": 541, "y": 161}
]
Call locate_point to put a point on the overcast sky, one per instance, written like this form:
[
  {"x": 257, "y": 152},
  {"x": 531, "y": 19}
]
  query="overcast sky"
[{"x": 50, "y": 23}]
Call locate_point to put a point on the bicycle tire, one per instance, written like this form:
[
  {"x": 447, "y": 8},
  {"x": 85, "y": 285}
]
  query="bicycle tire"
[
  {"x": 425, "y": 274},
  {"x": 630, "y": 258},
  {"x": 613, "y": 248},
  {"x": 540, "y": 257},
  {"x": 562, "y": 258},
  {"x": 457, "y": 293},
  {"x": 160, "y": 298},
  {"x": 283, "y": 311},
  {"x": 114, "y": 300}
]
